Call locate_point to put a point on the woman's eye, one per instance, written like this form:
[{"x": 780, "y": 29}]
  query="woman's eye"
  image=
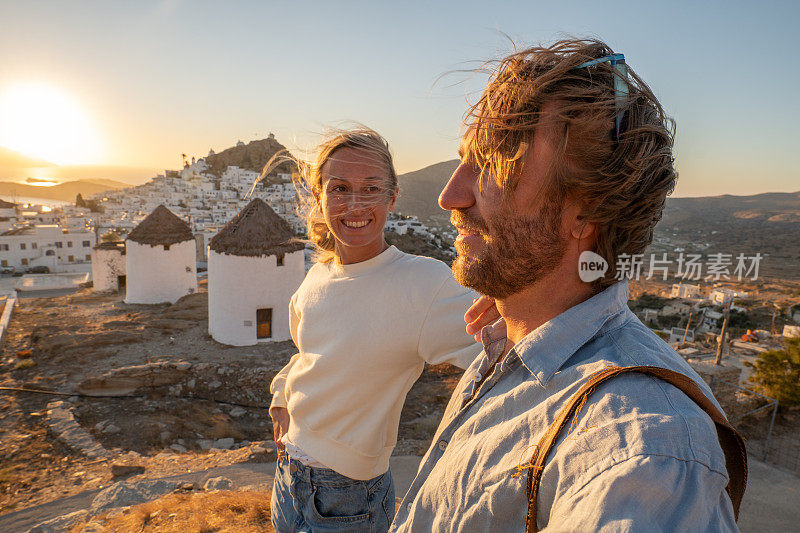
[{"x": 338, "y": 188}]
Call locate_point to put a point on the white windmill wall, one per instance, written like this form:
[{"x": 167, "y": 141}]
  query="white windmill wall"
[
  {"x": 239, "y": 285},
  {"x": 107, "y": 264},
  {"x": 157, "y": 275}
]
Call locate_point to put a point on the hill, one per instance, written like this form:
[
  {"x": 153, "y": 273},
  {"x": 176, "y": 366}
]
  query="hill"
[
  {"x": 252, "y": 156},
  {"x": 65, "y": 192},
  {"x": 11, "y": 159},
  {"x": 419, "y": 192}
]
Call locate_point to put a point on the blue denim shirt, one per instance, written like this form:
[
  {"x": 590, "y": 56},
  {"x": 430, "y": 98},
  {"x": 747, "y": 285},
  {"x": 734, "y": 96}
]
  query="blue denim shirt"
[{"x": 639, "y": 456}]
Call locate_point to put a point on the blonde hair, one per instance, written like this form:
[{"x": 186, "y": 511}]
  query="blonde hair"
[
  {"x": 622, "y": 181},
  {"x": 308, "y": 180}
]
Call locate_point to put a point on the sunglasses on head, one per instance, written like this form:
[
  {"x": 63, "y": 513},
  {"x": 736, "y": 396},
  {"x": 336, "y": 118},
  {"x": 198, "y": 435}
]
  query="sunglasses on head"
[{"x": 621, "y": 87}]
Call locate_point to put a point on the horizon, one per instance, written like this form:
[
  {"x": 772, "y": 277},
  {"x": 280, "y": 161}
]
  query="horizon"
[{"x": 130, "y": 87}]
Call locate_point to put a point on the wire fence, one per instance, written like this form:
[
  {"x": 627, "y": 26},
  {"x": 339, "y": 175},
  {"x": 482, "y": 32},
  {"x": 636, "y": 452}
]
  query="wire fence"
[{"x": 753, "y": 416}]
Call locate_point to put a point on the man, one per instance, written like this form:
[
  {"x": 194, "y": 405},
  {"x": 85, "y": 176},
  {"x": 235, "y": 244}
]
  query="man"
[{"x": 566, "y": 153}]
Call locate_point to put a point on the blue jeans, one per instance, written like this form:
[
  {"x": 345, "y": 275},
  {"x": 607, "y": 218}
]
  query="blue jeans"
[{"x": 318, "y": 499}]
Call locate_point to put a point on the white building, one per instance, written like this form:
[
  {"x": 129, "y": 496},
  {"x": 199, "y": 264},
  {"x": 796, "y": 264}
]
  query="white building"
[
  {"x": 48, "y": 245},
  {"x": 160, "y": 259},
  {"x": 791, "y": 332},
  {"x": 722, "y": 296},
  {"x": 254, "y": 267},
  {"x": 685, "y": 290},
  {"x": 108, "y": 267}
]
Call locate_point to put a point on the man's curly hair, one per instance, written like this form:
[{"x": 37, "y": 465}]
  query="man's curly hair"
[{"x": 620, "y": 181}]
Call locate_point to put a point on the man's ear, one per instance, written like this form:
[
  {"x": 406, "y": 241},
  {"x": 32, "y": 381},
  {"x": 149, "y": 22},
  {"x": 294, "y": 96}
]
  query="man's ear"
[
  {"x": 581, "y": 229},
  {"x": 574, "y": 215}
]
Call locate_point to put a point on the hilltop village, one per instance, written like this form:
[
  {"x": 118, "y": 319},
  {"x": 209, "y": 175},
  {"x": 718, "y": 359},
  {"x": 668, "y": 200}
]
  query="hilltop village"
[{"x": 206, "y": 194}]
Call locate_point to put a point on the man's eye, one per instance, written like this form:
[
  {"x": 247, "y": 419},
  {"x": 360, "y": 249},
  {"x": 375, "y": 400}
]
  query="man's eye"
[{"x": 338, "y": 188}]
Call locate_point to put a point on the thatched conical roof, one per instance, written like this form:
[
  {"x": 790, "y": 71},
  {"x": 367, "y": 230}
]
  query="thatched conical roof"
[
  {"x": 257, "y": 230},
  {"x": 163, "y": 227}
]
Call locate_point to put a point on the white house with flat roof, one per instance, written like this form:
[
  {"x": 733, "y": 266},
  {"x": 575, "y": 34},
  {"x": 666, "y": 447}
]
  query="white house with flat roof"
[
  {"x": 684, "y": 290},
  {"x": 59, "y": 249}
]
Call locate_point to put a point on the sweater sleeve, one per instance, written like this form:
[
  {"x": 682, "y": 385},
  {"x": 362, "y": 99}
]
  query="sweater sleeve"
[
  {"x": 443, "y": 336},
  {"x": 276, "y": 387}
]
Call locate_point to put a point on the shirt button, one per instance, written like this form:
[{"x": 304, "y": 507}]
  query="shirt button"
[
  {"x": 442, "y": 445},
  {"x": 477, "y": 376},
  {"x": 408, "y": 507}
]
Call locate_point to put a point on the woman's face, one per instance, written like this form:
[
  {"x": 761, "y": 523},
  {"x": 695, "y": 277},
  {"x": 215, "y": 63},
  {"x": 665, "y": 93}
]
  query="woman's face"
[{"x": 355, "y": 199}]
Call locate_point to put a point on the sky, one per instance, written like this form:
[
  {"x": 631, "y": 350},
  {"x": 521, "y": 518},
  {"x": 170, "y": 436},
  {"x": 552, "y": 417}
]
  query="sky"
[{"x": 140, "y": 83}]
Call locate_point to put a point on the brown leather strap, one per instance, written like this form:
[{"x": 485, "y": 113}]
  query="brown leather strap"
[{"x": 731, "y": 442}]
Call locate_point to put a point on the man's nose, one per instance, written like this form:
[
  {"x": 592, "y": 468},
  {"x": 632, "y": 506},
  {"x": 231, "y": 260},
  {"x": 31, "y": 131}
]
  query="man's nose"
[{"x": 458, "y": 194}]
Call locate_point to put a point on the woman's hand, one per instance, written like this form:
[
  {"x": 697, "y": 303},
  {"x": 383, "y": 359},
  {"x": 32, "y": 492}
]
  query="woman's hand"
[
  {"x": 482, "y": 313},
  {"x": 280, "y": 425}
]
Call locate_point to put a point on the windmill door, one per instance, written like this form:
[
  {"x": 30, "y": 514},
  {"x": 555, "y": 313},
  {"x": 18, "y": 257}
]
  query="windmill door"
[{"x": 263, "y": 323}]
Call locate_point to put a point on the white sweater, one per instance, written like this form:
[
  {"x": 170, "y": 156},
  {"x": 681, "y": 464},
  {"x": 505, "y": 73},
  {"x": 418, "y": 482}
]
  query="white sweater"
[{"x": 364, "y": 332}]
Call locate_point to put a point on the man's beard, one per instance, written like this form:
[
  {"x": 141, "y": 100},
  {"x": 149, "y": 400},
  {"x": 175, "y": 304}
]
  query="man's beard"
[{"x": 518, "y": 252}]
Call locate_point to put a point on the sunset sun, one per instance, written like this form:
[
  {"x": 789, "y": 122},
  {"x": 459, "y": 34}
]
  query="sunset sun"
[{"x": 44, "y": 122}]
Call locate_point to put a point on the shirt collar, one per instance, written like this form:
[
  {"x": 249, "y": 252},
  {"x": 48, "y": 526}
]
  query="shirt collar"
[{"x": 544, "y": 350}]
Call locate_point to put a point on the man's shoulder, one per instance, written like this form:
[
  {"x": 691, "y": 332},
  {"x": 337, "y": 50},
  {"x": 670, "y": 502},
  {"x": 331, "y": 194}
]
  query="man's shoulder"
[{"x": 639, "y": 414}]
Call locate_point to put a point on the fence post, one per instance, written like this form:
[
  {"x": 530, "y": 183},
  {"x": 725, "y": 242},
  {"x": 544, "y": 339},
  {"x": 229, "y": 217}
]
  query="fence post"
[{"x": 769, "y": 432}]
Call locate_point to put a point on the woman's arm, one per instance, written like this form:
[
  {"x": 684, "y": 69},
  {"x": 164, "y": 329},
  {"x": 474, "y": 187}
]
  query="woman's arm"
[
  {"x": 277, "y": 407},
  {"x": 443, "y": 338}
]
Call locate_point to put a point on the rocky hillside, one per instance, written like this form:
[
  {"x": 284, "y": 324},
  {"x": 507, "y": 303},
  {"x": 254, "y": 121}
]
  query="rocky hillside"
[
  {"x": 419, "y": 192},
  {"x": 252, "y": 156}
]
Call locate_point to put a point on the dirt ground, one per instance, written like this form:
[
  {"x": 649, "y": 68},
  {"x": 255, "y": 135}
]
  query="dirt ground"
[{"x": 213, "y": 414}]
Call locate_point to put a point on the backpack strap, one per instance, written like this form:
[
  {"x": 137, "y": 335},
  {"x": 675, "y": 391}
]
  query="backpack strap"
[{"x": 731, "y": 442}]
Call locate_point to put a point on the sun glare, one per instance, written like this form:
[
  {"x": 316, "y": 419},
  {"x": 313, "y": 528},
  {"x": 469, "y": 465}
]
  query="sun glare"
[{"x": 43, "y": 122}]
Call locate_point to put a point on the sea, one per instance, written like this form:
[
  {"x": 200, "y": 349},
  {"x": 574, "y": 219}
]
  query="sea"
[{"x": 32, "y": 200}]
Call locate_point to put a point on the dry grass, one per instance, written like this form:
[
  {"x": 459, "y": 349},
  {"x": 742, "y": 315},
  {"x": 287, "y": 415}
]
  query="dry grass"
[
  {"x": 25, "y": 363},
  {"x": 199, "y": 512}
]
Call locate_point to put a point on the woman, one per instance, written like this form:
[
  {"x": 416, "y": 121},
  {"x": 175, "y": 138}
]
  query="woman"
[{"x": 366, "y": 319}]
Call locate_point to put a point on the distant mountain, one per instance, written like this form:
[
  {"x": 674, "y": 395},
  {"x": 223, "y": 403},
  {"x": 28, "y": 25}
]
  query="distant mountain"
[
  {"x": 419, "y": 192},
  {"x": 65, "y": 192},
  {"x": 11, "y": 159}
]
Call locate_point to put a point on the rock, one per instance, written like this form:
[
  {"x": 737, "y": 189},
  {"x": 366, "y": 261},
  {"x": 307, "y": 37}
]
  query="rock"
[
  {"x": 61, "y": 422},
  {"x": 178, "y": 448},
  {"x": 100, "y": 425},
  {"x": 215, "y": 384},
  {"x": 186, "y": 485},
  {"x": 111, "y": 429},
  {"x": 165, "y": 435},
  {"x": 122, "y": 469},
  {"x": 218, "y": 483},
  {"x": 126, "y": 493},
  {"x": 190, "y": 383},
  {"x": 237, "y": 411},
  {"x": 262, "y": 449},
  {"x": 224, "y": 444},
  {"x": 205, "y": 444},
  {"x": 60, "y": 523},
  {"x": 127, "y": 380}
]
